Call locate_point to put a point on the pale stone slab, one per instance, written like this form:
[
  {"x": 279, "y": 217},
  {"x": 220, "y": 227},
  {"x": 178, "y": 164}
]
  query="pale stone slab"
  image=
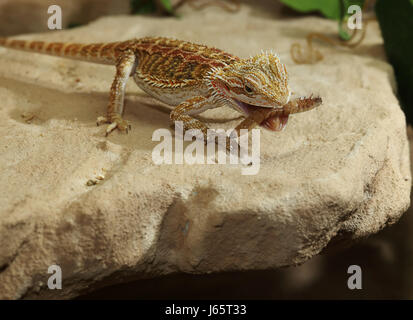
[{"x": 336, "y": 173}]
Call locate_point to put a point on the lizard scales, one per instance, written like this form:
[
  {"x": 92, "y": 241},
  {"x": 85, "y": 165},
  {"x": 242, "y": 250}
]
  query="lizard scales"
[{"x": 190, "y": 76}]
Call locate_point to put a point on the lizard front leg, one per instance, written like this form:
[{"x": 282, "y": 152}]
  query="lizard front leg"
[
  {"x": 124, "y": 69},
  {"x": 193, "y": 106}
]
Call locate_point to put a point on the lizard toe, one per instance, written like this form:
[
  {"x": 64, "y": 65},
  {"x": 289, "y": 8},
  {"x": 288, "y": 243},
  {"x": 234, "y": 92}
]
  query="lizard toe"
[
  {"x": 119, "y": 124},
  {"x": 101, "y": 120},
  {"x": 110, "y": 128},
  {"x": 123, "y": 125}
]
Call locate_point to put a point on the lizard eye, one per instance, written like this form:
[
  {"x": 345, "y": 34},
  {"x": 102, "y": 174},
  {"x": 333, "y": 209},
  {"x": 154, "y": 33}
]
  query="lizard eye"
[{"x": 248, "y": 89}]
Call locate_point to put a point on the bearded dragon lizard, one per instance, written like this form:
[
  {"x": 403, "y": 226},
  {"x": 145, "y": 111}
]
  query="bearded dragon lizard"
[{"x": 188, "y": 76}]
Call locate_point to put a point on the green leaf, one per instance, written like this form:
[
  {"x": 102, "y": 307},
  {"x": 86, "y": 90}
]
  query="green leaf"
[
  {"x": 329, "y": 8},
  {"x": 345, "y": 4},
  {"x": 396, "y": 24},
  {"x": 143, "y": 6},
  {"x": 333, "y": 9},
  {"x": 348, "y": 3},
  {"x": 167, "y": 5},
  {"x": 343, "y": 33}
]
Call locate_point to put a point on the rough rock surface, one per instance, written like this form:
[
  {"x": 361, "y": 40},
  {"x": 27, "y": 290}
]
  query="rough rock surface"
[
  {"x": 31, "y": 15},
  {"x": 339, "y": 172}
]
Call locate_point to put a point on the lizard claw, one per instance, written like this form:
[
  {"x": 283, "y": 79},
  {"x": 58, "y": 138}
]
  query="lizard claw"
[
  {"x": 101, "y": 120},
  {"x": 116, "y": 122}
]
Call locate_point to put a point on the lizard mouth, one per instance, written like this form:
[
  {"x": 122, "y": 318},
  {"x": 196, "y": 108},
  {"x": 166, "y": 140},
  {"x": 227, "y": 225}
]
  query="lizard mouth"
[{"x": 274, "y": 123}]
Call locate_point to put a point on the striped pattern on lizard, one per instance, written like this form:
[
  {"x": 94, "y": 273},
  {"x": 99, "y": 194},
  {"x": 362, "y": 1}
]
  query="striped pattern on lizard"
[{"x": 188, "y": 76}]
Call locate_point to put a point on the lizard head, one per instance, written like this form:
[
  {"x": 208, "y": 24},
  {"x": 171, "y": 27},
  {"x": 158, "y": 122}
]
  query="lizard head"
[{"x": 257, "y": 82}]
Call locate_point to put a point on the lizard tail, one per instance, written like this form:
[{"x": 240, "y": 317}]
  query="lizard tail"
[{"x": 103, "y": 53}]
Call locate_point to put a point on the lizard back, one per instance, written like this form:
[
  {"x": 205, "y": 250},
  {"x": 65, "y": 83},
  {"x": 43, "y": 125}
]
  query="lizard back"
[
  {"x": 161, "y": 62},
  {"x": 169, "y": 63}
]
